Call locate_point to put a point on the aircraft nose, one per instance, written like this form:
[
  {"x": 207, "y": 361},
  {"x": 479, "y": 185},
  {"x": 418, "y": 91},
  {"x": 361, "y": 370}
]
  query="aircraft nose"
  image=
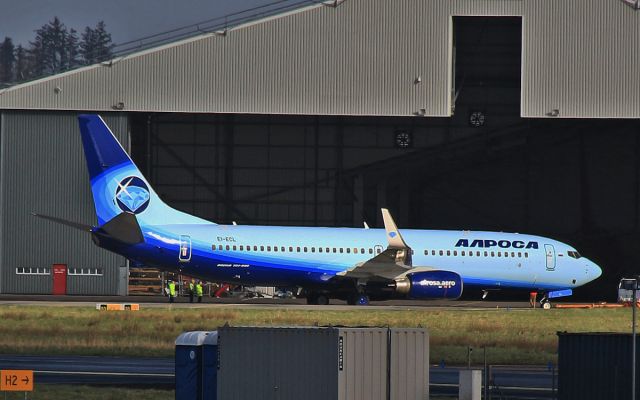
[{"x": 593, "y": 270}]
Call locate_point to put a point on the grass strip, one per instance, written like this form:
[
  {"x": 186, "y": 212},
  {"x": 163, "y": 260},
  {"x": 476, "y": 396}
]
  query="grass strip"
[
  {"x": 517, "y": 336},
  {"x": 66, "y": 392}
]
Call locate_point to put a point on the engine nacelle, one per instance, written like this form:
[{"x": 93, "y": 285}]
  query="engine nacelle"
[{"x": 430, "y": 285}]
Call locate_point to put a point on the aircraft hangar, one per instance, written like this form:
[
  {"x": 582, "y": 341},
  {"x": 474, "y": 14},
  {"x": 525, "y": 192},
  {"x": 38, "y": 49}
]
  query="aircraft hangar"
[{"x": 508, "y": 115}]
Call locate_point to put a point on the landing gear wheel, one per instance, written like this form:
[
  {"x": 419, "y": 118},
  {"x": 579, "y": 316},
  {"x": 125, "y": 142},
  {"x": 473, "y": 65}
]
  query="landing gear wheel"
[
  {"x": 546, "y": 305},
  {"x": 322, "y": 300},
  {"x": 358, "y": 299},
  {"x": 363, "y": 300}
]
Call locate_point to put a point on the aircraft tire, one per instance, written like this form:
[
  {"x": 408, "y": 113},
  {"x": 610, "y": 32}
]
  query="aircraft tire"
[
  {"x": 321, "y": 300},
  {"x": 363, "y": 300},
  {"x": 546, "y": 305}
]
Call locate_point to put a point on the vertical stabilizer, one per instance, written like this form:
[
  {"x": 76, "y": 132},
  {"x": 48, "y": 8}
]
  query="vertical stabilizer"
[{"x": 117, "y": 184}]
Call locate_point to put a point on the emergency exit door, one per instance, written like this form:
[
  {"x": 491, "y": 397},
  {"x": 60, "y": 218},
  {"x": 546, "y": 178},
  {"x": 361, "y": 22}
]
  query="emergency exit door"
[
  {"x": 59, "y": 279},
  {"x": 550, "y": 256}
]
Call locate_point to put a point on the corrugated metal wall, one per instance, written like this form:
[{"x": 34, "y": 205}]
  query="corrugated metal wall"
[
  {"x": 43, "y": 170},
  {"x": 363, "y": 58},
  {"x": 595, "y": 366}
]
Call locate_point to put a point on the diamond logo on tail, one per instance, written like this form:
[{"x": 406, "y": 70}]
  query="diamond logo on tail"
[
  {"x": 132, "y": 195},
  {"x": 393, "y": 234}
]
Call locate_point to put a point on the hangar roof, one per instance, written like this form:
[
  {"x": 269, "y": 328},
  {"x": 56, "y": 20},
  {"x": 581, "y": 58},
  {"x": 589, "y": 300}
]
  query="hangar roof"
[{"x": 363, "y": 57}]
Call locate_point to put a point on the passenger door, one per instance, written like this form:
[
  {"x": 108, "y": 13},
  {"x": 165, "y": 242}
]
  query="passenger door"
[
  {"x": 185, "y": 248},
  {"x": 550, "y": 257}
]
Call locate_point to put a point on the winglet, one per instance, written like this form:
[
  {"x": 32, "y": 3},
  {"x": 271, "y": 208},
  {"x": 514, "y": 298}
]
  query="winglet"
[
  {"x": 393, "y": 234},
  {"x": 366, "y": 226}
]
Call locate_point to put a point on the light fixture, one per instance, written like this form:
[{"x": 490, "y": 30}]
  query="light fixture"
[
  {"x": 553, "y": 113},
  {"x": 118, "y": 106}
]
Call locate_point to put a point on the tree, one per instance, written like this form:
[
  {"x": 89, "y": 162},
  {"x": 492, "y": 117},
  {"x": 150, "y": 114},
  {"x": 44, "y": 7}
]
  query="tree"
[
  {"x": 96, "y": 45},
  {"x": 7, "y": 60},
  {"x": 54, "y": 49},
  {"x": 23, "y": 64}
]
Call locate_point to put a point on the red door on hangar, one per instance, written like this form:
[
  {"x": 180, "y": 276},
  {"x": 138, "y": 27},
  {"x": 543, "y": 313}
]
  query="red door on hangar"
[{"x": 59, "y": 279}]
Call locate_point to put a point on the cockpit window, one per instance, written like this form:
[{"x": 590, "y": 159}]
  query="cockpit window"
[{"x": 573, "y": 254}]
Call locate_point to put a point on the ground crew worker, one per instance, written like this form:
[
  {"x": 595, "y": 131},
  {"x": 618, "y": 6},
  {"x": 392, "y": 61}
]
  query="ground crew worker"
[
  {"x": 533, "y": 298},
  {"x": 199, "y": 291},
  {"x": 192, "y": 290},
  {"x": 172, "y": 290}
]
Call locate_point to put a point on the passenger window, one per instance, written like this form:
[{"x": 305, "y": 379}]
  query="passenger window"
[
  {"x": 441, "y": 252},
  {"x": 261, "y": 248},
  {"x": 255, "y": 248},
  {"x": 362, "y": 251},
  {"x": 499, "y": 254},
  {"x": 327, "y": 250},
  {"x": 370, "y": 251},
  {"x": 448, "y": 252},
  {"x": 341, "y": 250},
  {"x": 379, "y": 250},
  {"x": 348, "y": 250},
  {"x": 298, "y": 249},
  {"x": 319, "y": 249},
  {"x": 241, "y": 247},
  {"x": 455, "y": 253},
  {"x": 513, "y": 254},
  {"x": 219, "y": 247},
  {"x": 248, "y": 248},
  {"x": 471, "y": 254},
  {"x": 506, "y": 254},
  {"x": 268, "y": 248},
  {"x": 526, "y": 255},
  {"x": 433, "y": 252},
  {"x": 227, "y": 247},
  {"x": 334, "y": 250},
  {"x": 519, "y": 254},
  {"x": 305, "y": 249},
  {"x": 282, "y": 249},
  {"x": 313, "y": 249},
  {"x": 486, "y": 254},
  {"x": 493, "y": 254},
  {"x": 426, "y": 252},
  {"x": 462, "y": 253},
  {"x": 275, "y": 248},
  {"x": 290, "y": 249}
]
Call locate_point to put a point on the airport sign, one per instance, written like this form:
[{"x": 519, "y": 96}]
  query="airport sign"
[{"x": 16, "y": 380}]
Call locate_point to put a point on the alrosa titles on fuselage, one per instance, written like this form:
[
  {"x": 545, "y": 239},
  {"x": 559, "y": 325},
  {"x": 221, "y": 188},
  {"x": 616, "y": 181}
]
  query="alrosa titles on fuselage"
[{"x": 504, "y": 244}]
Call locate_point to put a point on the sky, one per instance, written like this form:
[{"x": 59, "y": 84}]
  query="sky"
[{"x": 125, "y": 19}]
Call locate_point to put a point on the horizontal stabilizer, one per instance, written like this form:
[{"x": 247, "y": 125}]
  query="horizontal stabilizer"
[
  {"x": 124, "y": 228},
  {"x": 75, "y": 225}
]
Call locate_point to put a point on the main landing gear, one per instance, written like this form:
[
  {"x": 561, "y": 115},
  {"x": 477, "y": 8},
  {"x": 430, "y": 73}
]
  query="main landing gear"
[
  {"x": 319, "y": 299},
  {"x": 358, "y": 299}
]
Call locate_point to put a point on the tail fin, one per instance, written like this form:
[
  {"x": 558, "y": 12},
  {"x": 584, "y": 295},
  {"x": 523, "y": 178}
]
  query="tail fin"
[{"x": 117, "y": 184}]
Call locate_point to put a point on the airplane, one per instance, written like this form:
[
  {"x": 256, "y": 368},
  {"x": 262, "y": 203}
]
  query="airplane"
[{"x": 352, "y": 264}]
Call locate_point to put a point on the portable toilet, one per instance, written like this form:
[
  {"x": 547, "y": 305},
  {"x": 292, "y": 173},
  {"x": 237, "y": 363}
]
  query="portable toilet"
[
  {"x": 210, "y": 366},
  {"x": 188, "y": 362}
]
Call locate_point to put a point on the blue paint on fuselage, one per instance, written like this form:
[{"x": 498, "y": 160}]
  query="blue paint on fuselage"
[{"x": 312, "y": 267}]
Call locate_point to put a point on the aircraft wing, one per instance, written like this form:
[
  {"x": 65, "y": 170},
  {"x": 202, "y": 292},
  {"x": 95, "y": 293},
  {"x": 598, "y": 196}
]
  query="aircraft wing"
[{"x": 389, "y": 264}]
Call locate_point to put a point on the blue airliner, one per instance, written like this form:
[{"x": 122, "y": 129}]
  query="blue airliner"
[{"x": 344, "y": 263}]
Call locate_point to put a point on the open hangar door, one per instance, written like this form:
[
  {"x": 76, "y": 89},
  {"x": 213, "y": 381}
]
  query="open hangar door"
[{"x": 484, "y": 168}]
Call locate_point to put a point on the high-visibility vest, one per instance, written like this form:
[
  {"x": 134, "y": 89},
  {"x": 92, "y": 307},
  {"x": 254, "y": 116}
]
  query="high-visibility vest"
[
  {"x": 172, "y": 289},
  {"x": 191, "y": 287},
  {"x": 199, "y": 289}
]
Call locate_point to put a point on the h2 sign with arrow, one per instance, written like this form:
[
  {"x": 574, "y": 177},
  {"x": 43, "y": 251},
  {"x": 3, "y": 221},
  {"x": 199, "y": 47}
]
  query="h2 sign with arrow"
[{"x": 16, "y": 380}]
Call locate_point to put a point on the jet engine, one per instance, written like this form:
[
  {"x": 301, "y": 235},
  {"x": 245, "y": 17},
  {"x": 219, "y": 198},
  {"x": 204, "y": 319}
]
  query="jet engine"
[{"x": 430, "y": 285}]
